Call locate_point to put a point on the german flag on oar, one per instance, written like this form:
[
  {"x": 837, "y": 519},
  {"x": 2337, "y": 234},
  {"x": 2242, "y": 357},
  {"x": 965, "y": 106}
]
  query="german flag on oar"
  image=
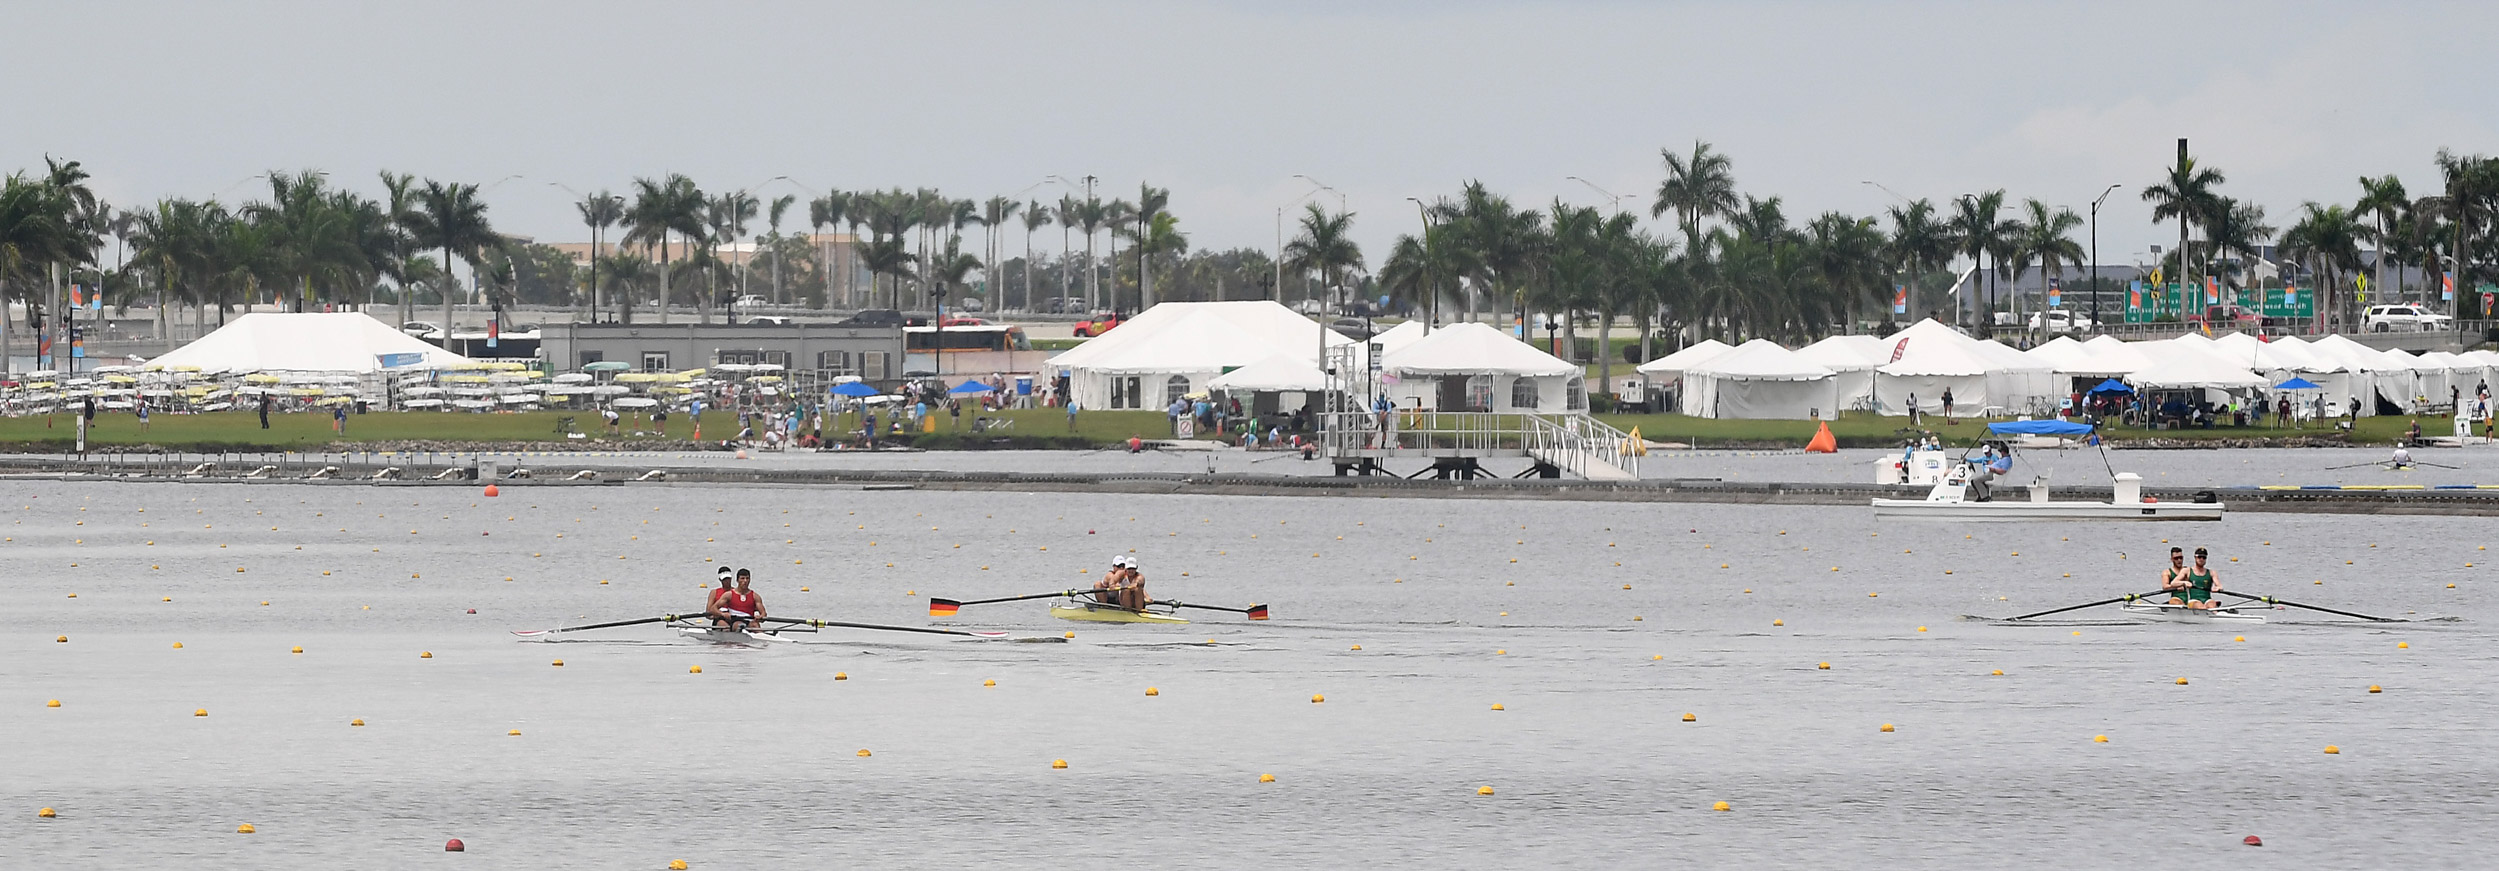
[{"x": 943, "y": 607}]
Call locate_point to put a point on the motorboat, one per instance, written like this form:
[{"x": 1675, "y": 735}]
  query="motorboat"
[{"x": 1968, "y": 490}]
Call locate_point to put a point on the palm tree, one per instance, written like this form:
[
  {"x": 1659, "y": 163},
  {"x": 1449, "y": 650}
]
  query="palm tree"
[
  {"x": 2470, "y": 202},
  {"x": 827, "y": 211},
  {"x": 2046, "y": 240},
  {"x": 2327, "y": 238},
  {"x": 34, "y": 228},
  {"x": 452, "y": 218},
  {"x": 774, "y": 214},
  {"x": 994, "y": 215},
  {"x": 2382, "y": 200},
  {"x": 1151, "y": 204},
  {"x": 885, "y": 255},
  {"x": 1847, "y": 257},
  {"x": 1091, "y": 215},
  {"x": 599, "y": 211},
  {"x": 1325, "y": 245},
  {"x": 1067, "y": 213},
  {"x": 1498, "y": 239},
  {"x": 1696, "y": 188},
  {"x": 2188, "y": 195},
  {"x": 726, "y": 217},
  {"x": 1919, "y": 243},
  {"x": 1977, "y": 233},
  {"x": 2237, "y": 230},
  {"x": 1036, "y": 216},
  {"x": 1157, "y": 236},
  {"x": 671, "y": 205},
  {"x": 400, "y": 201}
]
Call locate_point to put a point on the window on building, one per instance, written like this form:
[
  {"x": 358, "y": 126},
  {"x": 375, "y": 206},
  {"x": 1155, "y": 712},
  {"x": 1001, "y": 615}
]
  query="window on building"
[
  {"x": 1575, "y": 395},
  {"x": 589, "y": 357},
  {"x": 1523, "y": 393},
  {"x": 1173, "y": 388},
  {"x": 1478, "y": 393},
  {"x": 875, "y": 365},
  {"x": 777, "y": 358},
  {"x": 654, "y": 361},
  {"x": 834, "y": 363}
]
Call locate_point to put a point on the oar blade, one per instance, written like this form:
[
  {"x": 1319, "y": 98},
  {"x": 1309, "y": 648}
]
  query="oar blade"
[
  {"x": 1258, "y": 612},
  {"x": 943, "y": 607}
]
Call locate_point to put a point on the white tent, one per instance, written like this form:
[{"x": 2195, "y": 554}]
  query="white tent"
[
  {"x": 1398, "y": 336},
  {"x": 1933, "y": 359},
  {"x": 2393, "y": 382},
  {"x": 1471, "y": 366},
  {"x": 1761, "y": 380},
  {"x": 1279, "y": 373},
  {"x": 1854, "y": 359},
  {"x": 2285, "y": 358},
  {"x": 1175, "y": 348},
  {"x": 1669, "y": 368},
  {"x": 309, "y": 342},
  {"x": 2057, "y": 352},
  {"x": 2191, "y": 362}
]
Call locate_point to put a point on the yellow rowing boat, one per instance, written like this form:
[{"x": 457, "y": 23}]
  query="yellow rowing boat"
[{"x": 1091, "y": 612}]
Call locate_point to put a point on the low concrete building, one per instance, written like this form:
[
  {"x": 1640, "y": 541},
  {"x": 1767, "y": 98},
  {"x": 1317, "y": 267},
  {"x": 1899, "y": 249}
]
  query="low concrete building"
[{"x": 830, "y": 350}]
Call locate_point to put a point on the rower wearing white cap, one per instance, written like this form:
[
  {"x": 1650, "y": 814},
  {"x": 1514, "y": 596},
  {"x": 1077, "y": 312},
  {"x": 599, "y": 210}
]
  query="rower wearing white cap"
[
  {"x": 1133, "y": 596},
  {"x": 711, "y": 602}
]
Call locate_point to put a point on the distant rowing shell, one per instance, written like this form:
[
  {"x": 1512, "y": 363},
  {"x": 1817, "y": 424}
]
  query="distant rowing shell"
[
  {"x": 1093, "y": 613},
  {"x": 2184, "y": 614}
]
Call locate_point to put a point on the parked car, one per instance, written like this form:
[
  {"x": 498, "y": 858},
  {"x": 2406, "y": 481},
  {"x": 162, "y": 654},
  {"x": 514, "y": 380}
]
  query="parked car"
[
  {"x": 1098, "y": 324},
  {"x": 1356, "y": 329},
  {"x": 421, "y": 329},
  {"x": 751, "y": 301},
  {"x": 2228, "y": 316},
  {"x": 961, "y": 321},
  {"x": 769, "y": 320},
  {"x": 875, "y": 317},
  {"x": 1310, "y": 307},
  {"x": 2390, "y": 318},
  {"x": 2061, "y": 321}
]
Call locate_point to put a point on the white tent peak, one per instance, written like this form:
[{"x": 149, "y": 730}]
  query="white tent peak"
[
  {"x": 1686, "y": 358},
  {"x": 307, "y": 342},
  {"x": 1761, "y": 360},
  {"x": 1471, "y": 348}
]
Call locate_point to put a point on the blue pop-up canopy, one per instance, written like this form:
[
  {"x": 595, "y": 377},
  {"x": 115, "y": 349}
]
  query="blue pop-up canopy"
[
  {"x": 2297, "y": 384},
  {"x": 2039, "y": 427},
  {"x": 969, "y": 387},
  {"x": 2112, "y": 386},
  {"x": 853, "y": 388}
]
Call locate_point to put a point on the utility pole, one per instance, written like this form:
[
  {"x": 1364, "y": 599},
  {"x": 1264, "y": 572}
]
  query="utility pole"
[{"x": 2094, "y": 273}]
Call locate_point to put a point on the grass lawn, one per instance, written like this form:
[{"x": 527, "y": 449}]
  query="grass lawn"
[
  {"x": 1866, "y": 430},
  {"x": 241, "y": 430}
]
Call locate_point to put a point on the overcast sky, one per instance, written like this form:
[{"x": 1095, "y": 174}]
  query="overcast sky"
[{"x": 1224, "y": 103}]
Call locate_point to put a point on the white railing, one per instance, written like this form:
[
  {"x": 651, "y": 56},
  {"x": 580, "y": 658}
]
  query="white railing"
[{"x": 1575, "y": 443}]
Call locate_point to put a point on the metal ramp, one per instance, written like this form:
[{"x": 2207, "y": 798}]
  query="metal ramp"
[{"x": 1573, "y": 444}]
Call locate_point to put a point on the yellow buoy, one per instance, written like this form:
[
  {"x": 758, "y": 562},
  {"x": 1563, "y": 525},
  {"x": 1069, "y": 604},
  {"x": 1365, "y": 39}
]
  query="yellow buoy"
[
  {"x": 841, "y": 675},
  {"x": 2238, "y": 638},
  {"x": 559, "y": 663},
  {"x": 426, "y": 655},
  {"x": 357, "y": 722},
  {"x": 1152, "y": 691},
  {"x": 2403, "y": 645},
  {"x": 1500, "y": 653},
  {"x": 2332, "y": 750},
  {"x": 1067, "y": 635},
  {"x": 1689, "y": 718},
  {"x": 1656, "y": 656},
  {"x": 1357, "y": 647},
  {"x": 1722, "y": 806},
  {"x": 53, "y": 703},
  {"x": 177, "y": 645},
  {"x": 989, "y": 683},
  {"x": 1822, "y": 666},
  {"x": 1921, "y": 628},
  {"x": 1497, "y": 706},
  {"x": 244, "y": 829},
  {"x": 2099, "y": 739},
  {"x": 1887, "y": 727},
  {"x": 1058, "y": 764},
  {"x": 299, "y": 648},
  {"x": 46, "y": 813},
  {"x": 1483, "y": 790},
  {"x": 1266, "y": 778},
  {"x": 863, "y": 753},
  {"x": 514, "y": 733},
  {"x": 1778, "y": 622},
  {"x": 2374, "y": 688},
  {"x": 694, "y": 669},
  {"x": 200, "y": 713},
  {"x": 1997, "y": 673},
  {"x": 676, "y": 865},
  {"x": 2182, "y": 681},
  {"x": 1317, "y": 699}
]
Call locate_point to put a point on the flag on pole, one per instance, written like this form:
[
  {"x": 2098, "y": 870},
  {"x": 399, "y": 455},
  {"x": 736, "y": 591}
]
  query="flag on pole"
[
  {"x": 2056, "y": 294},
  {"x": 2448, "y": 293},
  {"x": 1900, "y": 299},
  {"x": 1900, "y": 348},
  {"x": 2134, "y": 295},
  {"x": 2290, "y": 296},
  {"x": 2212, "y": 292},
  {"x": 77, "y": 297}
]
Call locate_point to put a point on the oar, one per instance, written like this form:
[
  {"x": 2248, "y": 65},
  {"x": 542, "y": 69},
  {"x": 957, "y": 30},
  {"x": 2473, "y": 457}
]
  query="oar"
[
  {"x": 2269, "y": 600},
  {"x": 838, "y": 623},
  {"x": 2356, "y": 465},
  {"x": 2435, "y": 465},
  {"x": 946, "y": 607},
  {"x": 2125, "y": 598},
  {"x": 666, "y": 618},
  {"x": 1255, "y": 612}
]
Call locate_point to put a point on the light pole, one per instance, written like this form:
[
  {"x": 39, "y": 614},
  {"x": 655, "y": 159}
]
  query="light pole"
[
  {"x": 1431, "y": 283},
  {"x": 2094, "y": 273},
  {"x": 1614, "y": 200},
  {"x": 1280, "y": 227},
  {"x": 1977, "y": 261},
  {"x": 1906, "y": 278}
]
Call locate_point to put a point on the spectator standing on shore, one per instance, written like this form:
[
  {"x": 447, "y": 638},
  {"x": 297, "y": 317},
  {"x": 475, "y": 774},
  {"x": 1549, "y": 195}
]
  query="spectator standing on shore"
[
  {"x": 1947, "y": 405},
  {"x": 1913, "y": 409},
  {"x": 143, "y": 414},
  {"x": 338, "y": 418},
  {"x": 264, "y": 411},
  {"x": 1071, "y": 415}
]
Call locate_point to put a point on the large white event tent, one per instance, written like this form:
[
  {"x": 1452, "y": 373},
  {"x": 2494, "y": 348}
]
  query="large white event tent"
[
  {"x": 2191, "y": 362},
  {"x": 2392, "y": 381},
  {"x": 2285, "y": 358},
  {"x": 1669, "y": 369},
  {"x": 306, "y": 342},
  {"x": 1176, "y": 348},
  {"x": 1760, "y": 380},
  {"x": 1853, "y": 359},
  {"x": 2058, "y": 352},
  {"x": 1475, "y": 367},
  {"x": 1934, "y": 358}
]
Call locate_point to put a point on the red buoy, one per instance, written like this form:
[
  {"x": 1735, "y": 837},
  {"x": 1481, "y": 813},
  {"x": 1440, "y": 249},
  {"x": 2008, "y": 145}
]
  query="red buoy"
[
  {"x": 493, "y": 491},
  {"x": 472, "y": 610},
  {"x": 2253, "y": 841},
  {"x": 454, "y": 846}
]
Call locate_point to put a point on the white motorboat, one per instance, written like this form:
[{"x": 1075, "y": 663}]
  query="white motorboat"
[
  {"x": 1963, "y": 493},
  {"x": 2183, "y": 614}
]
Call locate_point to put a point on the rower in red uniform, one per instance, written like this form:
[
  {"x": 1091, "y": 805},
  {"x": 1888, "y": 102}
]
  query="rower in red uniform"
[
  {"x": 743, "y": 606},
  {"x": 711, "y": 603}
]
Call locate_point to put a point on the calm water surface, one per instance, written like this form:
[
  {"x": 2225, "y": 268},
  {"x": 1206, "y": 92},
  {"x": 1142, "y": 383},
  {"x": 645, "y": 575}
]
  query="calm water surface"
[{"x": 627, "y": 760}]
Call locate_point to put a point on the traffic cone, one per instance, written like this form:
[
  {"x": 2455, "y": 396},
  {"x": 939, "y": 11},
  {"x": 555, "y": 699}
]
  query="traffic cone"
[{"x": 1823, "y": 442}]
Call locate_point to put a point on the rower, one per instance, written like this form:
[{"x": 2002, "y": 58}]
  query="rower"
[
  {"x": 2402, "y": 458},
  {"x": 2174, "y": 578},
  {"x": 1106, "y": 590},
  {"x": 1133, "y": 597},
  {"x": 743, "y": 607},
  {"x": 711, "y": 602},
  {"x": 2200, "y": 584}
]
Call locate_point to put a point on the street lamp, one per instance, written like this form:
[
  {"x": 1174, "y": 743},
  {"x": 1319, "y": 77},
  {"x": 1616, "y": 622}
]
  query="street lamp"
[
  {"x": 2095, "y": 254},
  {"x": 1279, "y": 264},
  {"x": 1614, "y": 200}
]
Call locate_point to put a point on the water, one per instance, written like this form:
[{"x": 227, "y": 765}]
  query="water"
[{"x": 627, "y": 760}]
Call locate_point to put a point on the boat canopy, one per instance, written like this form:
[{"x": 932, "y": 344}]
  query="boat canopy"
[{"x": 2039, "y": 427}]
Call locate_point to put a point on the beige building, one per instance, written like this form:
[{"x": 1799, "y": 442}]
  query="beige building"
[{"x": 844, "y": 257}]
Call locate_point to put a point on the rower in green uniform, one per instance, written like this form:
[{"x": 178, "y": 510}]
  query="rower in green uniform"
[{"x": 2200, "y": 583}]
